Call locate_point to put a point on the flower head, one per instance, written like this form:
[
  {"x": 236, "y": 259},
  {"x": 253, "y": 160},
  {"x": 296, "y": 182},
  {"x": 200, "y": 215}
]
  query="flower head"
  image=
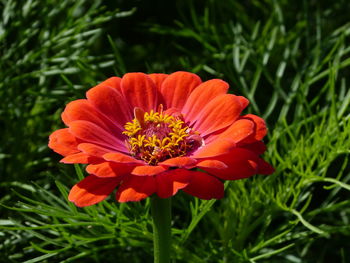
[{"x": 148, "y": 134}]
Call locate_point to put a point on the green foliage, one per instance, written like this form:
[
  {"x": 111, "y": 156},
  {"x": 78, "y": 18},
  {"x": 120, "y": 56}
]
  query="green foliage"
[{"x": 290, "y": 59}]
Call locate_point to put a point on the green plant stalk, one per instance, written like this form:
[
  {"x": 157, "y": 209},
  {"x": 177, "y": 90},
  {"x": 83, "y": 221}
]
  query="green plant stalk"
[{"x": 161, "y": 214}]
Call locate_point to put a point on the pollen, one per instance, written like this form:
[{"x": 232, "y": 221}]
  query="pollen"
[{"x": 155, "y": 136}]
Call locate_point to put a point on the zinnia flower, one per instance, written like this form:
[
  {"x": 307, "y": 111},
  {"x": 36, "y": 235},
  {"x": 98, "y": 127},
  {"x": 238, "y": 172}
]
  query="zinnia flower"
[{"x": 156, "y": 134}]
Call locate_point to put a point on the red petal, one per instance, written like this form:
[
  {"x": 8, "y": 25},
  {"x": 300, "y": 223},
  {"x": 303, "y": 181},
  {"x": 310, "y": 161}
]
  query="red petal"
[
  {"x": 201, "y": 96},
  {"x": 244, "y": 101},
  {"x": 139, "y": 91},
  {"x": 111, "y": 103},
  {"x": 136, "y": 188},
  {"x": 205, "y": 186},
  {"x": 217, "y": 147},
  {"x": 92, "y": 190},
  {"x": 93, "y": 149},
  {"x": 169, "y": 182},
  {"x": 63, "y": 142},
  {"x": 237, "y": 132},
  {"x": 180, "y": 162},
  {"x": 121, "y": 158},
  {"x": 113, "y": 82},
  {"x": 219, "y": 113},
  {"x": 79, "y": 158},
  {"x": 260, "y": 128},
  {"x": 211, "y": 164},
  {"x": 257, "y": 147},
  {"x": 146, "y": 170},
  {"x": 91, "y": 133},
  {"x": 158, "y": 79},
  {"x": 177, "y": 87},
  {"x": 241, "y": 163},
  {"x": 83, "y": 110},
  {"x": 264, "y": 167},
  {"x": 108, "y": 169}
]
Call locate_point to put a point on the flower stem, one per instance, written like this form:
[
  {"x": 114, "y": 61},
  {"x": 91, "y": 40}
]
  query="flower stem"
[{"x": 161, "y": 214}]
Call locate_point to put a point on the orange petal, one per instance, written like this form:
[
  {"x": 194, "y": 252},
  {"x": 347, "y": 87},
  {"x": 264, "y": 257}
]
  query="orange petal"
[
  {"x": 219, "y": 113},
  {"x": 83, "y": 110},
  {"x": 237, "y": 132},
  {"x": 121, "y": 158},
  {"x": 139, "y": 91},
  {"x": 92, "y": 190},
  {"x": 113, "y": 82},
  {"x": 217, "y": 147},
  {"x": 201, "y": 96},
  {"x": 169, "y": 182},
  {"x": 260, "y": 129},
  {"x": 93, "y": 149},
  {"x": 108, "y": 169},
  {"x": 211, "y": 164},
  {"x": 244, "y": 101},
  {"x": 79, "y": 158},
  {"x": 136, "y": 188},
  {"x": 241, "y": 163},
  {"x": 180, "y": 162},
  {"x": 63, "y": 142},
  {"x": 111, "y": 103},
  {"x": 205, "y": 186},
  {"x": 177, "y": 87},
  {"x": 91, "y": 133},
  {"x": 146, "y": 170}
]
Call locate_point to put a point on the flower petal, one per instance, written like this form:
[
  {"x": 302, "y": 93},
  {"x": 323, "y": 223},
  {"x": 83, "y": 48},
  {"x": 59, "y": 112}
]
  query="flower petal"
[
  {"x": 92, "y": 190},
  {"x": 109, "y": 169},
  {"x": 63, "y": 142},
  {"x": 139, "y": 91},
  {"x": 211, "y": 164},
  {"x": 260, "y": 129},
  {"x": 112, "y": 82},
  {"x": 111, "y": 103},
  {"x": 93, "y": 149},
  {"x": 180, "y": 162},
  {"x": 264, "y": 167},
  {"x": 136, "y": 188},
  {"x": 217, "y": 147},
  {"x": 257, "y": 147},
  {"x": 91, "y": 133},
  {"x": 244, "y": 101},
  {"x": 121, "y": 158},
  {"x": 83, "y": 110},
  {"x": 204, "y": 186},
  {"x": 219, "y": 113},
  {"x": 147, "y": 170},
  {"x": 200, "y": 97},
  {"x": 241, "y": 163},
  {"x": 158, "y": 79},
  {"x": 177, "y": 87},
  {"x": 169, "y": 182},
  {"x": 79, "y": 158}
]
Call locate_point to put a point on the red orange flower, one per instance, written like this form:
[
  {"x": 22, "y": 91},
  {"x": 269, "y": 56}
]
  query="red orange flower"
[{"x": 148, "y": 134}]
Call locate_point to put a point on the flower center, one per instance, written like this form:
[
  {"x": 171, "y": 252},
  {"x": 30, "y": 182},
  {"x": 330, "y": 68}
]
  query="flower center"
[{"x": 155, "y": 136}]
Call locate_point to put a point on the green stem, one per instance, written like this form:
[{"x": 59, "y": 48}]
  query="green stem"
[{"x": 161, "y": 213}]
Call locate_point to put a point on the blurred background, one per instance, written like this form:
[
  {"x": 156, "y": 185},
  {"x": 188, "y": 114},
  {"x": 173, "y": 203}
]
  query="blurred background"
[{"x": 289, "y": 58}]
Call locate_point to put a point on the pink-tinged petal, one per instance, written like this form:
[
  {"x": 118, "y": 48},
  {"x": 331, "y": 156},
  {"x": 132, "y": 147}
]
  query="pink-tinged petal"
[
  {"x": 109, "y": 169},
  {"x": 136, "y": 188},
  {"x": 91, "y": 133},
  {"x": 83, "y": 110},
  {"x": 121, "y": 158},
  {"x": 147, "y": 170},
  {"x": 264, "y": 167},
  {"x": 112, "y": 82},
  {"x": 63, "y": 142},
  {"x": 93, "y": 149},
  {"x": 244, "y": 101},
  {"x": 169, "y": 182},
  {"x": 241, "y": 163},
  {"x": 186, "y": 162},
  {"x": 260, "y": 129},
  {"x": 111, "y": 103},
  {"x": 256, "y": 147},
  {"x": 177, "y": 87},
  {"x": 215, "y": 148},
  {"x": 92, "y": 190},
  {"x": 204, "y": 186},
  {"x": 219, "y": 113},
  {"x": 139, "y": 91},
  {"x": 211, "y": 164},
  {"x": 79, "y": 158},
  {"x": 237, "y": 132},
  {"x": 201, "y": 96}
]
